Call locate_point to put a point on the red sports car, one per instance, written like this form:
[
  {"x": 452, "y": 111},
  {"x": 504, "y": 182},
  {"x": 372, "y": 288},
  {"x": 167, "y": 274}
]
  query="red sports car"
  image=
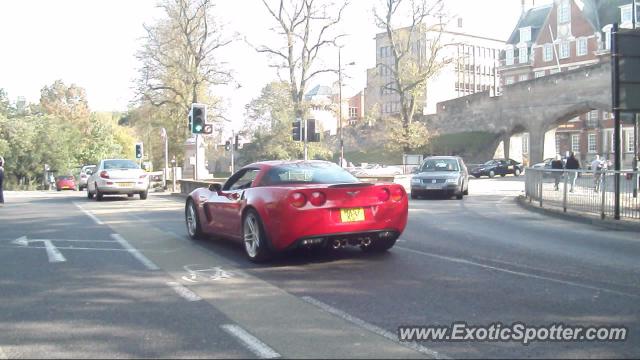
[
  {"x": 274, "y": 206},
  {"x": 65, "y": 182}
]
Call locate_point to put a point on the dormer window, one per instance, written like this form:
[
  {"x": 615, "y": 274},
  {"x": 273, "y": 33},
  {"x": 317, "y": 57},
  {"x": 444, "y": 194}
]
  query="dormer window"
[
  {"x": 525, "y": 34},
  {"x": 509, "y": 56},
  {"x": 564, "y": 12},
  {"x": 626, "y": 15}
]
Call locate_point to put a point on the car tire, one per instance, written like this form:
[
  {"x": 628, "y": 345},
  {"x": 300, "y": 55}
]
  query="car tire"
[
  {"x": 254, "y": 238},
  {"x": 99, "y": 196},
  {"x": 192, "y": 221},
  {"x": 516, "y": 172},
  {"x": 492, "y": 174},
  {"x": 143, "y": 195},
  {"x": 460, "y": 196},
  {"x": 89, "y": 194},
  {"x": 415, "y": 196},
  {"x": 129, "y": 195},
  {"x": 380, "y": 245},
  {"x": 503, "y": 175},
  {"x": 466, "y": 191},
  {"x": 476, "y": 176}
]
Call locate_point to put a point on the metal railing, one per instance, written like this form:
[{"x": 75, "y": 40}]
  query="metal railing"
[{"x": 584, "y": 191}]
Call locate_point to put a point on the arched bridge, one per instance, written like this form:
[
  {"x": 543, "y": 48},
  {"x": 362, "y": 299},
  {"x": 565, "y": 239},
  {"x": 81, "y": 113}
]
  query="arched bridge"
[{"x": 533, "y": 106}]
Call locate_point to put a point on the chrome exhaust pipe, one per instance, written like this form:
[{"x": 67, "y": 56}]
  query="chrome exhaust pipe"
[
  {"x": 336, "y": 244},
  {"x": 343, "y": 243},
  {"x": 366, "y": 242}
]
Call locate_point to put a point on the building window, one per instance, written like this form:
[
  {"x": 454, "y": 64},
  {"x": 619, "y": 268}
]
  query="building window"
[
  {"x": 557, "y": 144},
  {"x": 523, "y": 77},
  {"x": 575, "y": 143},
  {"x": 565, "y": 50},
  {"x": 591, "y": 143},
  {"x": 525, "y": 144},
  {"x": 606, "y": 115},
  {"x": 508, "y": 80},
  {"x": 607, "y": 37},
  {"x": 629, "y": 141},
  {"x": 523, "y": 56},
  {"x": 548, "y": 52},
  {"x": 525, "y": 34},
  {"x": 564, "y": 12},
  {"x": 581, "y": 47},
  {"x": 509, "y": 56},
  {"x": 353, "y": 112},
  {"x": 554, "y": 71},
  {"x": 626, "y": 15},
  {"x": 592, "y": 118},
  {"x": 539, "y": 74}
]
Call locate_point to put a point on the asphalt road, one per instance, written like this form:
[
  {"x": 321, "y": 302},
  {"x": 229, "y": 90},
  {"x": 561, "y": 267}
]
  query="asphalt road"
[{"x": 480, "y": 260}]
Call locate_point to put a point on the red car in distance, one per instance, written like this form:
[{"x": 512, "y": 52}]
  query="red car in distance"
[
  {"x": 65, "y": 182},
  {"x": 274, "y": 206}
]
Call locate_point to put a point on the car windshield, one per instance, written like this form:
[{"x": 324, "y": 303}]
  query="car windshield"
[
  {"x": 490, "y": 162},
  {"x": 120, "y": 164},
  {"x": 440, "y": 165},
  {"x": 313, "y": 173}
]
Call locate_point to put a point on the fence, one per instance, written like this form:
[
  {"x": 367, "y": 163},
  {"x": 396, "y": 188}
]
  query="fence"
[{"x": 584, "y": 191}]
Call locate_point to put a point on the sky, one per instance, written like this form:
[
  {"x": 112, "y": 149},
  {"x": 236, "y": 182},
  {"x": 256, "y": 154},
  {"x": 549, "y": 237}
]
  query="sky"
[{"x": 92, "y": 43}]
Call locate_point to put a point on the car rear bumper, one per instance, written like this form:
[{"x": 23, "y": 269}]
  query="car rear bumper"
[
  {"x": 293, "y": 227},
  {"x": 343, "y": 239},
  {"x": 123, "y": 187},
  {"x": 435, "y": 188}
]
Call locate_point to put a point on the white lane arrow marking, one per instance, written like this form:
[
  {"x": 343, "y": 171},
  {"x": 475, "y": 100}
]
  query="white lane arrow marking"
[{"x": 52, "y": 252}]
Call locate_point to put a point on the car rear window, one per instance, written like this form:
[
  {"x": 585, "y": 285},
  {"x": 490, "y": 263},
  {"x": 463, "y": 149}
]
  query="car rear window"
[
  {"x": 311, "y": 173},
  {"x": 120, "y": 164},
  {"x": 440, "y": 165},
  {"x": 65, "y": 177}
]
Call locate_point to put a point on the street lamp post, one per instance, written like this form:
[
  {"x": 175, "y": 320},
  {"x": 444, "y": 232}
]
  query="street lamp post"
[{"x": 340, "y": 137}]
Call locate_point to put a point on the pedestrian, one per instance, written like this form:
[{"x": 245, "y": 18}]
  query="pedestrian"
[
  {"x": 596, "y": 167},
  {"x": 1, "y": 180},
  {"x": 572, "y": 164},
  {"x": 557, "y": 175}
]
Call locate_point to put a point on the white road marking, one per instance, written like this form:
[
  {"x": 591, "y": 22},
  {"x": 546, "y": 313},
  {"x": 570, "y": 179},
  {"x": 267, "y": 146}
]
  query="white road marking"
[
  {"x": 184, "y": 292},
  {"x": 133, "y": 251},
  {"x": 3, "y": 356},
  {"x": 53, "y": 253},
  {"x": 93, "y": 217},
  {"x": 373, "y": 328},
  {"x": 254, "y": 344},
  {"x": 518, "y": 273}
]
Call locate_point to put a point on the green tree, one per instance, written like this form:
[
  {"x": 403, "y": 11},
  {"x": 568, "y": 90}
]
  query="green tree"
[
  {"x": 269, "y": 121},
  {"x": 68, "y": 103}
]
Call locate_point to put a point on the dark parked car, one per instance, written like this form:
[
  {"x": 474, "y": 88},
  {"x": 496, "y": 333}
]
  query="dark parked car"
[{"x": 500, "y": 167}]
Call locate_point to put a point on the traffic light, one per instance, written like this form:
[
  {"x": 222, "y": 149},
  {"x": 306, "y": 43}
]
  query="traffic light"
[
  {"x": 199, "y": 119},
  {"x": 236, "y": 144},
  {"x": 296, "y": 133},
  {"x": 227, "y": 145},
  {"x": 312, "y": 136},
  {"x": 139, "y": 150}
]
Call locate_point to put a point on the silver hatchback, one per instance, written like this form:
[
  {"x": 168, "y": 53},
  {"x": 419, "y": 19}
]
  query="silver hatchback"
[{"x": 441, "y": 174}]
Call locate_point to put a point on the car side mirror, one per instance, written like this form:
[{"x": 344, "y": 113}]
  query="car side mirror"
[{"x": 215, "y": 187}]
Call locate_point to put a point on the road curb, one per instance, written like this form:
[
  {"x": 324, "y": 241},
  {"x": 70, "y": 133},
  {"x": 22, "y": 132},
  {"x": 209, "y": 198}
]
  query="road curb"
[{"x": 595, "y": 220}]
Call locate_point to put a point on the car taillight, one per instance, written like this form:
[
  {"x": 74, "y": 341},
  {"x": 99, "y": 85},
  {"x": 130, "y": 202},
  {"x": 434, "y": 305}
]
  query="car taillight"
[
  {"x": 143, "y": 176},
  {"x": 104, "y": 174},
  {"x": 397, "y": 194},
  {"x": 297, "y": 199},
  {"x": 83, "y": 176},
  {"x": 383, "y": 194},
  {"x": 317, "y": 198}
]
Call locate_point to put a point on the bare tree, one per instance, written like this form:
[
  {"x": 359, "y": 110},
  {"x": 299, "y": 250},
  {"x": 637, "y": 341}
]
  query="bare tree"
[
  {"x": 178, "y": 56},
  {"x": 307, "y": 27},
  {"x": 415, "y": 54}
]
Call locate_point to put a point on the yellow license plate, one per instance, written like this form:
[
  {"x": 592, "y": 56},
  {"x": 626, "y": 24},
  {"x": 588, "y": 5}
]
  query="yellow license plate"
[
  {"x": 126, "y": 184},
  {"x": 351, "y": 215}
]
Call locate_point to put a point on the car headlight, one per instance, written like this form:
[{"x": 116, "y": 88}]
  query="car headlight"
[
  {"x": 452, "y": 181},
  {"x": 415, "y": 181}
]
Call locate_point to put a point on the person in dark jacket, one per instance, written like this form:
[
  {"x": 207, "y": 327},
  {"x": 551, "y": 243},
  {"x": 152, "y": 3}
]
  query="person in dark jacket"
[
  {"x": 557, "y": 175},
  {"x": 572, "y": 164},
  {"x": 1, "y": 180}
]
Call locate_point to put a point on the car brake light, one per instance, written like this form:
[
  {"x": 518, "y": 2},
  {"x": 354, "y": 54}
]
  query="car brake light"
[
  {"x": 317, "y": 198},
  {"x": 397, "y": 194},
  {"x": 383, "y": 194},
  {"x": 298, "y": 199},
  {"x": 104, "y": 174},
  {"x": 83, "y": 176}
]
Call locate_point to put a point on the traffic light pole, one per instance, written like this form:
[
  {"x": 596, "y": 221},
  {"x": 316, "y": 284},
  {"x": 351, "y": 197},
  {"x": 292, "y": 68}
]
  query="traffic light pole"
[
  {"x": 304, "y": 136},
  {"x": 195, "y": 171}
]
